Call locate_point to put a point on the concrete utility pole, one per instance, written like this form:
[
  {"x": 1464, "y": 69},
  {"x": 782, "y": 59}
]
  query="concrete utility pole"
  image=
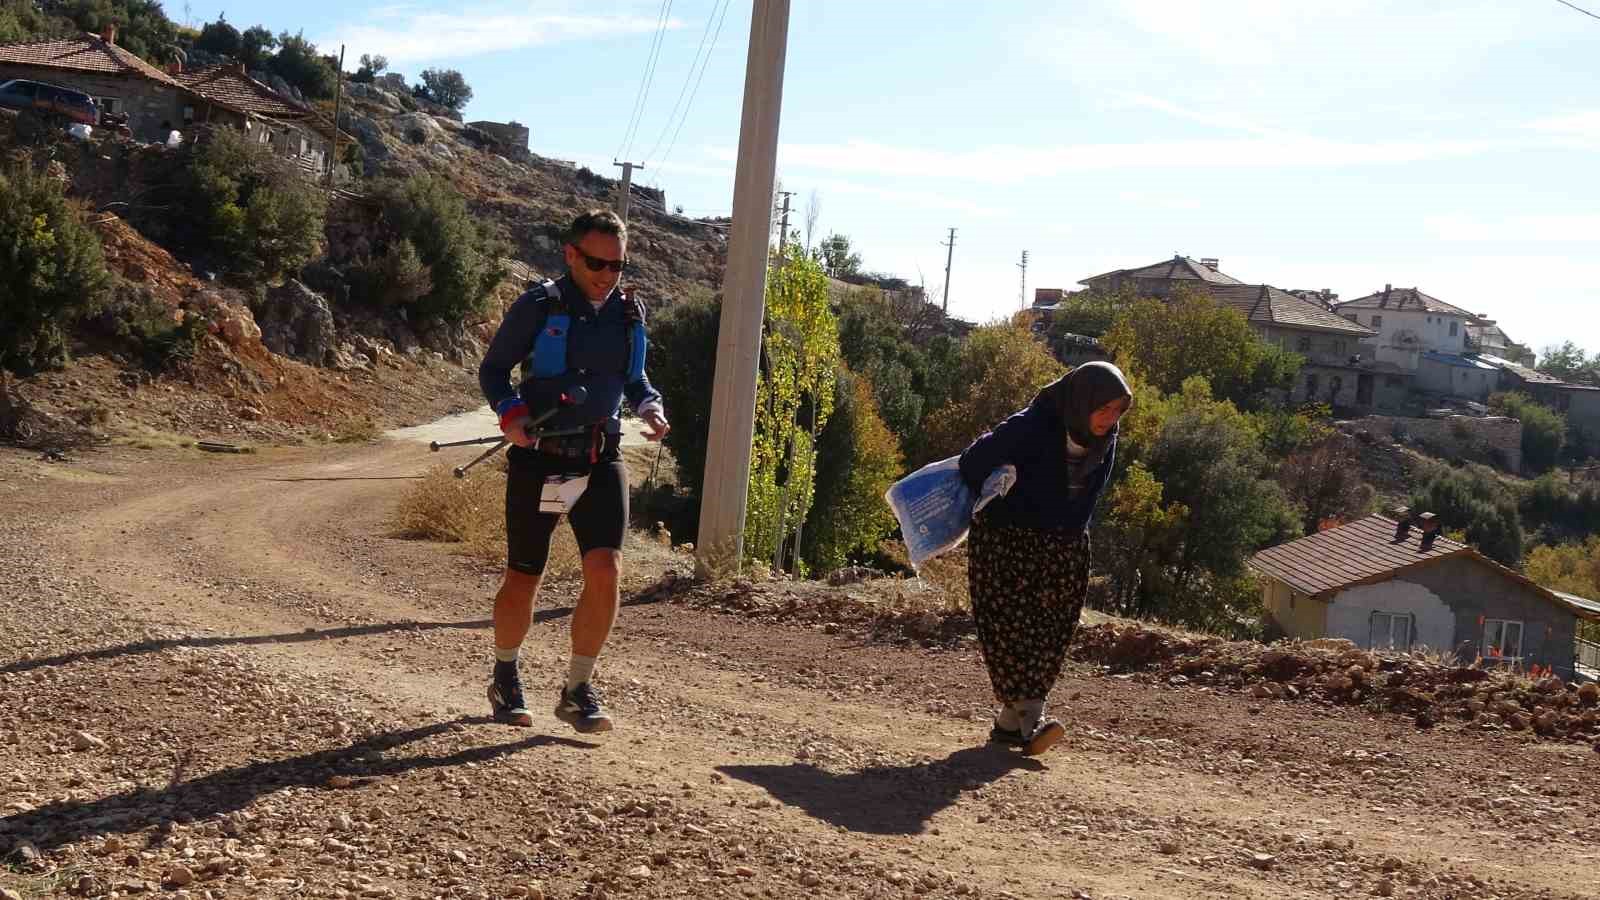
[
  {"x": 783, "y": 224},
  {"x": 626, "y": 188},
  {"x": 1022, "y": 291},
  {"x": 733, "y": 395},
  {"x": 949, "y": 255}
]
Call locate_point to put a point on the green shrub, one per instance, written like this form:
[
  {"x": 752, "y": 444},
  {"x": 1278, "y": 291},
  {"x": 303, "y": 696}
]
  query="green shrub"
[
  {"x": 51, "y": 270},
  {"x": 256, "y": 212},
  {"x": 462, "y": 258},
  {"x": 159, "y": 337},
  {"x": 1475, "y": 501},
  {"x": 1544, "y": 431},
  {"x": 857, "y": 459},
  {"x": 682, "y": 365}
]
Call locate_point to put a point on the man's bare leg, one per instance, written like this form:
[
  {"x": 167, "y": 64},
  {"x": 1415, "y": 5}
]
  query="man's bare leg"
[
  {"x": 591, "y": 625},
  {"x": 513, "y": 616}
]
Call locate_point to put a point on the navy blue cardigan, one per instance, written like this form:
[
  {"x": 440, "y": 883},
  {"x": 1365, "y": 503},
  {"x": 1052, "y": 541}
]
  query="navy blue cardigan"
[{"x": 1035, "y": 441}]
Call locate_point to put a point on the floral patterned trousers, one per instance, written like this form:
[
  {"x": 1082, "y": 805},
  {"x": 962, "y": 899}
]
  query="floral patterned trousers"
[{"x": 1027, "y": 588}]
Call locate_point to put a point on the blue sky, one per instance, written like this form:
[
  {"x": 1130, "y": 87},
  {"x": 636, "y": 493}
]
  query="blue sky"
[{"x": 1448, "y": 146}]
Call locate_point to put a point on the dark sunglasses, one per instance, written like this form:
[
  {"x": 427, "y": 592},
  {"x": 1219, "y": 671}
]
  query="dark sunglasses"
[{"x": 595, "y": 263}]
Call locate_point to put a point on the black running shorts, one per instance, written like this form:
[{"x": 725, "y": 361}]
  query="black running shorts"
[{"x": 598, "y": 519}]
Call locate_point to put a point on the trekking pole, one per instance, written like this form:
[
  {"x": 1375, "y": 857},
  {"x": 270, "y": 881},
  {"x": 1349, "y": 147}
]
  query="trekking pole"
[{"x": 575, "y": 397}]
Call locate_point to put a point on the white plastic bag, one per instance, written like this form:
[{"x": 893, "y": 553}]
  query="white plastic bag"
[{"x": 934, "y": 507}]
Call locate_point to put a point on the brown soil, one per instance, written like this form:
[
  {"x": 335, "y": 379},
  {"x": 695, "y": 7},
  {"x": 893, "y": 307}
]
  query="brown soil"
[{"x": 222, "y": 676}]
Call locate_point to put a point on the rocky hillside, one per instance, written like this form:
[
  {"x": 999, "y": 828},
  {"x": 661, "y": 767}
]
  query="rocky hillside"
[{"x": 530, "y": 199}]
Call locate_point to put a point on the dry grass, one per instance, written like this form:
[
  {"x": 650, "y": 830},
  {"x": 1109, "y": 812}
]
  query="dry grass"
[
  {"x": 471, "y": 512},
  {"x": 357, "y": 430}
]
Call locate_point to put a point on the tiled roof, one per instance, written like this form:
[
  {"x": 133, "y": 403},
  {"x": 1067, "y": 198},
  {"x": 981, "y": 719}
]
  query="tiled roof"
[
  {"x": 1405, "y": 299},
  {"x": 1178, "y": 268},
  {"x": 1364, "y": 550},
  {"x": 1265, "y": 304},
  {"x": 227, "y": 85},
  {"x": 89, "y": 53}
]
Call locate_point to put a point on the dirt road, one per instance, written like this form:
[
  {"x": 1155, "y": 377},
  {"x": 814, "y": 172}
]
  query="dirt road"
[{"x": 221, "y": 677}]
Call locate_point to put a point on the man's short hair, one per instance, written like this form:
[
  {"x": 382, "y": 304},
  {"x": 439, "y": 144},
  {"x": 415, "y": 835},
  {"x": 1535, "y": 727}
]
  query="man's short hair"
[{"x": 602, "y": 220}]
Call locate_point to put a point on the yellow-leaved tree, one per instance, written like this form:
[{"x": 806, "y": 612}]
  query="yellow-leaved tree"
[{"x": 794, "y": 398}]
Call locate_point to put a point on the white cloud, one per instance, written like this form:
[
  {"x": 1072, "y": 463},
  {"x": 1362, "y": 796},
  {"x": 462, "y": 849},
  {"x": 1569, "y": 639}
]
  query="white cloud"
[
  {"x": 1543, "y": 229},
  {"x": 407, "y": 34},
  {"x": 1583, "y": 126},
  {"x": 1011, "y": 164}
]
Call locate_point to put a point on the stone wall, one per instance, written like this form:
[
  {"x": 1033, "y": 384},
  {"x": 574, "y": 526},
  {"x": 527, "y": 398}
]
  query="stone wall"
[
  {"x": 1496, "y": 439},
  {"x": 512, "y": 136}
]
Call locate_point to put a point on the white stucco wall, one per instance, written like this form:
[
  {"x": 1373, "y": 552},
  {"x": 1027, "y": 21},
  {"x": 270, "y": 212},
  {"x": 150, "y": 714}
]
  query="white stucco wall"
[
  {"x": 1350, "y": 613},
  {"x": 1431, "y": 329}
]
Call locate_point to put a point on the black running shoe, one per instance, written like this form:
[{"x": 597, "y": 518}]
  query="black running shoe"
[
  {"x": 1009, "y": 737},
  {"x": 505, "y": 699},
  {"x": 580, "y": 707}
]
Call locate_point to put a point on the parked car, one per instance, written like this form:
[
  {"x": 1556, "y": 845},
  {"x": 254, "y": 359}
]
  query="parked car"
[{"x": 49, "y": 100}]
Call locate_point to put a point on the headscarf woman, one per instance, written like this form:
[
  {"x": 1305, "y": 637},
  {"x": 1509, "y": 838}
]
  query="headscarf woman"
[{"x": 1028, "y": 556}]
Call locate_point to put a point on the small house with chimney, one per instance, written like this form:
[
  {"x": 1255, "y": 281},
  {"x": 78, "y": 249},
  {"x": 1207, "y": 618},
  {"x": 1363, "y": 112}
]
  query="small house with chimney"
[{"x": 1395, "y": 583}]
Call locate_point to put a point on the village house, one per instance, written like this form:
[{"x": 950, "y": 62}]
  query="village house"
[
  {"x": 1333, "y": 372},
  {"x": 1396, "y": 584},
  {"x": 120, "y": 82},
  {"x": 158, "y": 102},
  {"x": 1161, "y": 279},
  {"x": 1579, "y": 403},
  {"x": 239, "y": 101}
]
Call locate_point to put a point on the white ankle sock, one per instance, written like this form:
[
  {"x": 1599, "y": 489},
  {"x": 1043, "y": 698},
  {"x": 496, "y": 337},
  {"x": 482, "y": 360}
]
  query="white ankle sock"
[
  {"x": 1030, "y": 712},
  {"x": 580, "y": 670},
  {"x": 501, "y": 654},
  {"x": 1008, "y": 718}
]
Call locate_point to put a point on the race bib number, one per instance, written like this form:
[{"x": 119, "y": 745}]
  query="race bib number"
[{"x": 561, "y": 492}]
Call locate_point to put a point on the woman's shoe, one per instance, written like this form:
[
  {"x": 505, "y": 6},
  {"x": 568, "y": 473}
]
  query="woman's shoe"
[
  {"x": 1044, "y": 736},
  {"x": 1009, "y": 737}
]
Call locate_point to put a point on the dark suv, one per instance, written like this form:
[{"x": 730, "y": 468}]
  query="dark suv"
[{"x": 49, "y": 100}]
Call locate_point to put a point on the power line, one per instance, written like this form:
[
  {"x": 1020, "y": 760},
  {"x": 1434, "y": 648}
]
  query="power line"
[
  {"x": 1579, "y": 9},
  {"x": 640, "y": 99},
  {"x": 688, "y": 76},
  {"x": 695, "y": 92}
]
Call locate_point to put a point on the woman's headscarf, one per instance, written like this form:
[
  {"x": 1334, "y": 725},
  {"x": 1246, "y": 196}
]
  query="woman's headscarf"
[{"x": 1084, "y": 390}]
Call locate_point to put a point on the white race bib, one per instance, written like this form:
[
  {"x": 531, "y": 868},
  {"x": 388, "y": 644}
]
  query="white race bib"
[{"x": 561, "y": 492}]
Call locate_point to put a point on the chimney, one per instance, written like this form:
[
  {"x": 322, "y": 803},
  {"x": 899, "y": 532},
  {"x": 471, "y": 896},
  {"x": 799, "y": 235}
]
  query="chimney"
[
  {"x": 175, "y": 67},
  {"x": 1210, "y": 262},
  {"x": 109, "y": 34},
  {"x": 1402, "y": 517},
  {"x": 1430, "y": 530}
]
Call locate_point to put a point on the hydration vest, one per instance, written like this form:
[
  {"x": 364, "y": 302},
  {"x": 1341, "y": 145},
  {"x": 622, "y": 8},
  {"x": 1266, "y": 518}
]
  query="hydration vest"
[{"x": 548, "y": 358}]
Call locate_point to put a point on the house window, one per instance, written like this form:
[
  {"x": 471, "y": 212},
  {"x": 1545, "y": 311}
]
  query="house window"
[
  {"x": 1311, "y": 384},
  {"x": 1389, "y": 631},
  {"x": 1502, "y": 640},
  {"x": 1305, "y": 345},
  {"x": 1377, "y": 321},
  {"x": 1453, "y": 327},
  {"x": 109, "y": 105}
]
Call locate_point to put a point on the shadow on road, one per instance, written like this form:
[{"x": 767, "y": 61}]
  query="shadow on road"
[
  {"x": 884, "y": 799},
  {"x": 229, "y": 790},
  {"x": 652, "y": 594}
]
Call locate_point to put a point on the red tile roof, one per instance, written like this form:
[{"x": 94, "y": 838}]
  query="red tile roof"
[
  {"x": 229, "y": 86},
  {"x": 1267, "y": 305},
  {"x": 89, "y": 53},
  {"x": 1364, "y": 550}
]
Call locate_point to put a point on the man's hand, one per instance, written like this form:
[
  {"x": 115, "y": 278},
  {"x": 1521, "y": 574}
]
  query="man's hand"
[
  {"x": 657, "y": 424},
  {"x": 516, "y": 431}
]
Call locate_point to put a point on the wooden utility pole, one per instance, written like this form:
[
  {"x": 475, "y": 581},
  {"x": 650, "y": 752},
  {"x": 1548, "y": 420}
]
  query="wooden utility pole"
[
  {"x": 625, "y": 189},
  {"x": 720, "y": 549},
  {"x": 338, "y": 101},
  {"x": 948, "y": 256}
]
